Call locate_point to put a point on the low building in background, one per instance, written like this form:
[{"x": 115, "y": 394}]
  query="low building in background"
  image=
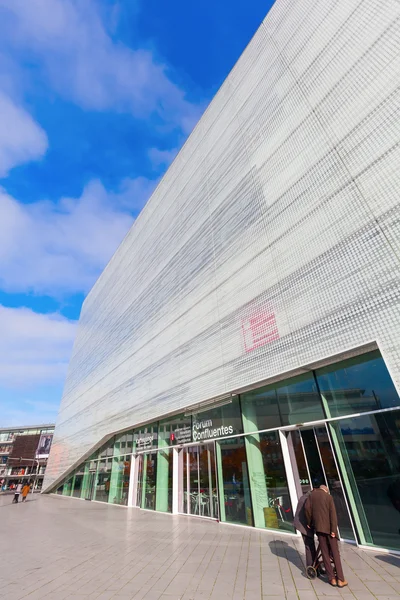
[{"x": 23, "y": 455}]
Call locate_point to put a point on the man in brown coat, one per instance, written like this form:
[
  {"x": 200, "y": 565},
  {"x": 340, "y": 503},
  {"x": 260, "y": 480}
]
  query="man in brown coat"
[
  {"x": 307, "y": 533},
  {"x": 321, "y": 514}
]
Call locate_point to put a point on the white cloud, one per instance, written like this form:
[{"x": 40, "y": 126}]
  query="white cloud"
[
  {"x": 162, "y": 158},
  {"x": 68, "y": 38},
  {"x": 21, "y": 139},
  {"x": 62, "y": 248},
  {"x": 34, "y": 348}
]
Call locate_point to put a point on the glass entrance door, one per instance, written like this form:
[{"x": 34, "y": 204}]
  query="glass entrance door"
[
  {"x": 90, "y": 485},
  {"x": 199, "y": 481},
  {"x": 147, "y": 478},
  {"x": 316, "y": 465}
]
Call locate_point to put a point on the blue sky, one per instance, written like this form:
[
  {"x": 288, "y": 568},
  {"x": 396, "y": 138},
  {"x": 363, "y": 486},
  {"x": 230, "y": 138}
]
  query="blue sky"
[{"x": 96, "y": 98}]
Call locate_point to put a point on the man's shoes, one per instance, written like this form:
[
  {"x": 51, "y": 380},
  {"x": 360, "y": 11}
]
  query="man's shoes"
[
  {"x": 341, "y": 583},
  {"x": 333, "y": 582}
]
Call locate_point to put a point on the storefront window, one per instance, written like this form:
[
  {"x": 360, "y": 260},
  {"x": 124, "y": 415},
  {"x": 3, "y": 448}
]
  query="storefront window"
[
  {"x": 360, "y": 384},
  {"x": 175, "y": 430},
  {"x": 287, "y": 402},
  {"x": 67, "y": 487},
  {"x": 164, "y": 480},
  {"x": 102, "y": 489},
  {"x": 271, "y": 501},
  {"x": 200, "y": 495},
  {"x": 146, "y": 438},
  {"x": 124, "y": 444},
  {"x": 235, "y": 505},
  {"x": 78, "y": 481},
  {"x": 369, "y": 448},
  {"x": 85, "y": 481},
  {"x": 119, "y": 482},
  {"x": 107, "y": 451},
  {"x": 147, "y": 480},
  {"x": 224, "y": 420}
]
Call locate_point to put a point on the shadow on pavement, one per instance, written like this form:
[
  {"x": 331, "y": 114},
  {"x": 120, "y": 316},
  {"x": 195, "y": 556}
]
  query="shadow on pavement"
[
  {"x": 11, "y": 502},
  {"x": 389, "y": 558},
  {"x": 284, "y": 550}
]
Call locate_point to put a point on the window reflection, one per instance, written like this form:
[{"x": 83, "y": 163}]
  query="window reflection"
[
  {"x": 102, "y": 489},
  {"x": 164, "y": 481},
  {"x": 370, "y": 447},
  {"x": 360, "y": 384},
  {"x": 199, "y": 481},
  {"x": 119, "y": 487},
  {"x": 78, "y": 481},
  {"x": 287, "y": 402},
  {"x": 123, "y": 443},
  {"x": 236, "y": 490},
  {"x": 147, "y": 481},
  {"x": 271, "y": 500}
]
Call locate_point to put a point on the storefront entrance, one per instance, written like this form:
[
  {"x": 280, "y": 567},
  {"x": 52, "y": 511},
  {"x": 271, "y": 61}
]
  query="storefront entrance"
[
  {"x": 90, "y": 485},
  {"x": 199, "y": 481},
  {"x": 314, "y": 464}
]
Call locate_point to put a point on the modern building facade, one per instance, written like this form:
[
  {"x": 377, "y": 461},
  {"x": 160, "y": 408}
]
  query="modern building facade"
[
  {"x": 24, "y": 452},
  {"x": 243, "y": 344}
]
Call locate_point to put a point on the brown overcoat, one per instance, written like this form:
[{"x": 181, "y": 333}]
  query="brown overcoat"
[{"x": 321, "y": 512}]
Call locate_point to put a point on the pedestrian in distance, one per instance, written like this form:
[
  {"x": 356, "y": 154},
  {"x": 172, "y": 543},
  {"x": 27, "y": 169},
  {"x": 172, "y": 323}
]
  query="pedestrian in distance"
[
  {"x": 17, "y": 493},
  {"x": 25, "y": 491},
  {"x": 321, "y": 514},
  {"x": 307, "y": 533}
]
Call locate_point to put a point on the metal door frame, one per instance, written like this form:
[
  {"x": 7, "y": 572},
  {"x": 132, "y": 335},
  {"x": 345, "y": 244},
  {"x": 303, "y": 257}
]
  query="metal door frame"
[
  {"x": 291, "y": 467},
  {"x": 184, "y": 486}
]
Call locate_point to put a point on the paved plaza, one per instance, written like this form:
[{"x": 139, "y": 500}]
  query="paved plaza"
[{"x": 60, "y": 548}]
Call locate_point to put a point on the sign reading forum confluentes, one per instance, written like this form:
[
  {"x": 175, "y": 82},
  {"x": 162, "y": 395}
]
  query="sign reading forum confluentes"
[{"x": 205, "y": 430}]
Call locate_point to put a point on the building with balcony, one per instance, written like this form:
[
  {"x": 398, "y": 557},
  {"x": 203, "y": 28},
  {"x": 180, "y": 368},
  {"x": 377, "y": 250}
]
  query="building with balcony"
[{"x": 23, "y": 454}]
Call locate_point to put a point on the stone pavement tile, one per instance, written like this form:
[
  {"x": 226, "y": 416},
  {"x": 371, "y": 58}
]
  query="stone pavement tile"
[
  {"x": 363, "y": 595},
  {"x": 75, "y": 597},
  {"x": 368, "y": 575},
  {"x": 307, "y": 594},
  {"x": 186, "y": 559},
  {"x": 219, "y": 595},
  {"x": 292, "y": 596},
  {"x": 303, "y": 584},
  {"x": 152, "y": 595},
  {"x": 196, "y": 595},
  {"x": 380, "y": 587},
  {"x": 273, "y": 589}
]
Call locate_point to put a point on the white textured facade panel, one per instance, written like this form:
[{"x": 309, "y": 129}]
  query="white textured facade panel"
[{"x": 282, "y": 207}]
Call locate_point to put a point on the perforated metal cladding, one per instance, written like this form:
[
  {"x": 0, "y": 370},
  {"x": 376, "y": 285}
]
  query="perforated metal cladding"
[{"x": 271, "y": 242}]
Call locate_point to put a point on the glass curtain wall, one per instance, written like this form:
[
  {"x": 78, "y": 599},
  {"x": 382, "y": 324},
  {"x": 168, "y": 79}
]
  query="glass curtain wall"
[
  {"x": 147, "y": 479},
  {"x": 358, "y": 457},
  {"x": 370, "y": 448},
  {"x": 360, "y": 384},
  {"x": 67, "y": 487},
  {"x": 146, "y": 442},
  {"x": 78, "y": 481},
  {"x": 284, "y": 403},
  {"x": 233, "y": 480},
  {"x": 103, "y": 480},
  {"x": 199, "y": 481},
  {"x": 119, "y": 482}
]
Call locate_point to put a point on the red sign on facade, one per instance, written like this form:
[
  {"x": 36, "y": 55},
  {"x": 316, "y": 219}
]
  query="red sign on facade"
[{"x": 259, "y": 329}]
